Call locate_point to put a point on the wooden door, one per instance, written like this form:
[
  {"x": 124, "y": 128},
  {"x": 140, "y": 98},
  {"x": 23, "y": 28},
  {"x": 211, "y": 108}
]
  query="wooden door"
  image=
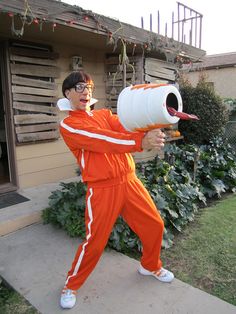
[{"x": 8, "y": 177}]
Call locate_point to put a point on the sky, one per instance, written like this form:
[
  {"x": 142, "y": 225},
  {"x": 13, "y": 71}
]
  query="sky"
[{"x": 218, "y": 23}]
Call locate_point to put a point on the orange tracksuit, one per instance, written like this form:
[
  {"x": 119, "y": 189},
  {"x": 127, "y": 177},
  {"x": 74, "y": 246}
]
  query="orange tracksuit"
[{"x": 102, "y": 148}]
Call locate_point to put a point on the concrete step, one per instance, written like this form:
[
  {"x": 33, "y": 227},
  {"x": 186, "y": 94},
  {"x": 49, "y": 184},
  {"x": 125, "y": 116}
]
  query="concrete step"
[{"x": 15, "y": 217}]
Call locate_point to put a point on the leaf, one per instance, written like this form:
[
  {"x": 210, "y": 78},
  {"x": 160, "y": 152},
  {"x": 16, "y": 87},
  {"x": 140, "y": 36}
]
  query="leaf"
[
  {"x": 172, "y": 213},
  {"x": 219, "y": 186}
]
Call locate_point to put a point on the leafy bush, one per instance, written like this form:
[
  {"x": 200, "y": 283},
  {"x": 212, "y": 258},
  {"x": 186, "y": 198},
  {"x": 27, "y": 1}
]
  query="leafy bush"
[
  {"x": 217, "y": 168},
  {"x": 178, "y": 185},
  {"x": 66, "y": 208},
  {"x": 203, "y": 102}
]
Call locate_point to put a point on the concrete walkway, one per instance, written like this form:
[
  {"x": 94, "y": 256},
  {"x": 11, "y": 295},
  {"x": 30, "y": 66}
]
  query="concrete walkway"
[{"x": 34, "y": 260}]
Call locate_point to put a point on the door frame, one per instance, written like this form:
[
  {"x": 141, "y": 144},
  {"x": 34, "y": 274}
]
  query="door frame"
[{"x": 12, "y": 185}]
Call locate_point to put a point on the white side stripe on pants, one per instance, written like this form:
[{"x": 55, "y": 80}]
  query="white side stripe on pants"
[{"x": 90, "y": 213}]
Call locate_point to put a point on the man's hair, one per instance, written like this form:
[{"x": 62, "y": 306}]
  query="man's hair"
[{"x": 74, "y": 78}]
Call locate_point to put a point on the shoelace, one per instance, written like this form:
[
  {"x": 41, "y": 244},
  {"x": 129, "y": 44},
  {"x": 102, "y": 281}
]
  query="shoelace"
[
  {"x": 68, "y": 293},
  {"x": 160, "y": 272}
]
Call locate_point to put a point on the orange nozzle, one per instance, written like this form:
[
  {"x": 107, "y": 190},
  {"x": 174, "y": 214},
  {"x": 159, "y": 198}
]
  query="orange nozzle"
[{"x": 152, "y": 127}]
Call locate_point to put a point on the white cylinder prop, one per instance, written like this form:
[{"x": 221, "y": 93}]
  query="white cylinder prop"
[{"x": 145, "y": 106}]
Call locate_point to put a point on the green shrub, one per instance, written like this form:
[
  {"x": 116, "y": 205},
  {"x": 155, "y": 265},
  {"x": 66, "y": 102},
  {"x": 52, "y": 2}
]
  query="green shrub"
[
  {"x": 212, "y": 166},
  {"x": 203, "y": 102},
  {"x": 217, "y": 168},
  {"x": 66, "y": 208}
]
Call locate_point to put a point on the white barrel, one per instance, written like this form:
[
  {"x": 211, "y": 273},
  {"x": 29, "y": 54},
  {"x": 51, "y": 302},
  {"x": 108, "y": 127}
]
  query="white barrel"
[{"x": 145, "y": 105}]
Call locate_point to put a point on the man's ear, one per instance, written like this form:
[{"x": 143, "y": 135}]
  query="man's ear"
[{"x": 67, "y": 93}]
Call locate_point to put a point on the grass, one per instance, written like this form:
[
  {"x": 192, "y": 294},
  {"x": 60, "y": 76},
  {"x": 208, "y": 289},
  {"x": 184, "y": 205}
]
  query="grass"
[
  {"x": 204, "y": 256},
  {"x": 12, "y": 302}
]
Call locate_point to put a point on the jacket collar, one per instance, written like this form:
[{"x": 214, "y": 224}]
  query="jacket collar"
[{"x": 64, "y": 104}]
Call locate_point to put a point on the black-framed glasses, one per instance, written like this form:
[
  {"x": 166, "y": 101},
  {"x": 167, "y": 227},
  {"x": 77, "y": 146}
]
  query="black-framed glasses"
[{"x": 80, "y": 87}]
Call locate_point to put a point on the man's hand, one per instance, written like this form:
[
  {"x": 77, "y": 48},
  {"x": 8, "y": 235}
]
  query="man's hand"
[{"x": 153, "y": 139}]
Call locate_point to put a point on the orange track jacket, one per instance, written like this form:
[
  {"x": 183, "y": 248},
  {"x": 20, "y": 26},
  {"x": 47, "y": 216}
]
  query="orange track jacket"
[{"x": 101, "y": 145}]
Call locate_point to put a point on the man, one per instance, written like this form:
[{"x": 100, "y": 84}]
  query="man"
[{"x": 102, "y": 148}]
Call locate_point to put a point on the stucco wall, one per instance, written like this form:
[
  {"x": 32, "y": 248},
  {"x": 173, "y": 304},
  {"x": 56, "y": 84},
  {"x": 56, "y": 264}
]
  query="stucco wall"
[
  {"x": 52, "y": 161},
  {"x": 224, "y": 80}
]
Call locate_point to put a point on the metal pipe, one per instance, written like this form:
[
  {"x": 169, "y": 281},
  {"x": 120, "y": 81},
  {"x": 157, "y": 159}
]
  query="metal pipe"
[
  {"x": 178, "y": 22},
  {"x": 196, "y": 30},
  {"x": 191, "y": 30},
  {"x": 142, "y": 25},
  {"x": 200, "y": 33},
  {"x": 172, "y": 31},
  {"x": 158, "y": 22}
]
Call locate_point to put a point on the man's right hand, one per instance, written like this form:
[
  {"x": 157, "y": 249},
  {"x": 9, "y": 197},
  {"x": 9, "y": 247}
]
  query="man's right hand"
[{"x": 153, "y": 139}]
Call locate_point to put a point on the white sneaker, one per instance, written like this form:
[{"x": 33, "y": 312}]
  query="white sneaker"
[
  {"x": 161, "y": 274},
  {"x": 68, "y": 298}
]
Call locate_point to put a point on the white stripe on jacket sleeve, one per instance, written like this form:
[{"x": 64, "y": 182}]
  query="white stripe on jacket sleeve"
[{"x": 98, "y": 136}]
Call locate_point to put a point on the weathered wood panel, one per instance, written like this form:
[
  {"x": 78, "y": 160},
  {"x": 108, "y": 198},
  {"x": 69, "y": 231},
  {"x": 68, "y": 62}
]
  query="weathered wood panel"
[
  {"x": 35, "y": 70},
  {"x": 36, "y": 128},
  {"x": 160, "y": 63},
  {"x": 31, "y": 98},
  {"x": 147, "y": 155},
  {"x": 151, "y": 79},
  {"x": 159, "y": 69},
  {"x": 20, "y": 80},
  {"x": 33, "y": 53},
  {"x": 33, "y": 60},
  {"x": 160, "y": 75},
  {"x": 34, "y": 91},
  {"x": 34, "y": 118},
  {"x": 34, "y": 108},
  {"x": 39, "y": 136}
]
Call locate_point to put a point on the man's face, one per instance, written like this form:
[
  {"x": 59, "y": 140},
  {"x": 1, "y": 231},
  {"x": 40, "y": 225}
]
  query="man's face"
[{"x": 80, "y": 95}]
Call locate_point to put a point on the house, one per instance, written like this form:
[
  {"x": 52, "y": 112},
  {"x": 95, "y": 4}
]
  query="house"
[
  {"x": 220, "y": 73},
  {"x": 40, "y": 43}
]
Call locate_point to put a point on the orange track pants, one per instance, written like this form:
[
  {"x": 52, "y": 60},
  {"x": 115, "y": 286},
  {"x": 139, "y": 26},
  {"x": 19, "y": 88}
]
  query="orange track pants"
[{"x": 131, "y": 200}]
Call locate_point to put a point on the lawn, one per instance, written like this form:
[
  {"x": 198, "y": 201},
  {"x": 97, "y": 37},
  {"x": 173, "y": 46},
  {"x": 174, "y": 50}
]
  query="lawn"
[{"x": 204, "y": 256}]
